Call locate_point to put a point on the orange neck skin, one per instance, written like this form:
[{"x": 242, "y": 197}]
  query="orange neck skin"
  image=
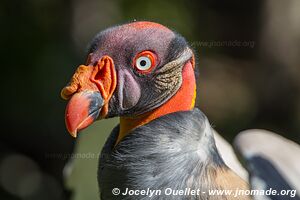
[{"x": 183, "y": 100}]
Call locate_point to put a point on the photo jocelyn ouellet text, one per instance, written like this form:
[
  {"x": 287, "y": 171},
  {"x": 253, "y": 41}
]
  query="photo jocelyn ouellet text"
[{"x": 195, "y": 192}]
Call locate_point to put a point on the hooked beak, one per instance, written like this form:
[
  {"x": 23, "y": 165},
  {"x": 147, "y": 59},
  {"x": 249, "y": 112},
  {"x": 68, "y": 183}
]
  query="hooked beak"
[
  {"x": 89, "y": 92},
  {"x": 82, "y": 110}
]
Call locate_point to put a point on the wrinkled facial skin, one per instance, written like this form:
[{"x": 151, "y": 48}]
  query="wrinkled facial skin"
[{"x": 137, "y": 93}]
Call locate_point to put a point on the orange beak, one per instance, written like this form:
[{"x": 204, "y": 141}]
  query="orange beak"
[{"x": 89, "y": 92}]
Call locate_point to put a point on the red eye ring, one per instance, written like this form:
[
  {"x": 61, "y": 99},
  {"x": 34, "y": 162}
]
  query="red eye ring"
[{"x": 144, "y": 62}]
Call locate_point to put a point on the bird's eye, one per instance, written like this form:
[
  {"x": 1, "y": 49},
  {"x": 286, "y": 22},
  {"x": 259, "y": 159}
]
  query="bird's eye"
[{"x": 145, "y": 61}]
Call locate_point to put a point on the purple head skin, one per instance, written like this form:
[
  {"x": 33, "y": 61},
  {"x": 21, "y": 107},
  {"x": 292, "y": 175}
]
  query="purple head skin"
[
  {"x": 122, "y": 44},
  {"x": 131, "y": 70}
]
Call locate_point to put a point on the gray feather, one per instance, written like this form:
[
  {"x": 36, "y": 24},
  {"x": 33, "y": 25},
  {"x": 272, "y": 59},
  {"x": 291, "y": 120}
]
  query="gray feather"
[{"x": 175, "y": 151}]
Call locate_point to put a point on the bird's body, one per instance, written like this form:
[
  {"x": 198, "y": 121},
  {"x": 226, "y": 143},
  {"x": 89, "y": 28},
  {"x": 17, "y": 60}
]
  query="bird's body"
[{"x": 176, "y": 151}]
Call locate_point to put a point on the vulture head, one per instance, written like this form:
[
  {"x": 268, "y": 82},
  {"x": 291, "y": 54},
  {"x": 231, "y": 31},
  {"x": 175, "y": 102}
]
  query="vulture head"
[{"x": 138, "y": 71}]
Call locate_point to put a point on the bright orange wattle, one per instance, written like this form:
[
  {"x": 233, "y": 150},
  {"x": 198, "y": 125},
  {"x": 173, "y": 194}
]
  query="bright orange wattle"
[
  {"x": 183, "y": 100},
  {"x": 87, "y": 80}
]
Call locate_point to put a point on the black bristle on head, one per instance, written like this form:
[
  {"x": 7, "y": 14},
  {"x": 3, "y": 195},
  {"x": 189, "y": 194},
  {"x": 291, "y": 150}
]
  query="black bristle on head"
[{"x": 177, "y": 46}]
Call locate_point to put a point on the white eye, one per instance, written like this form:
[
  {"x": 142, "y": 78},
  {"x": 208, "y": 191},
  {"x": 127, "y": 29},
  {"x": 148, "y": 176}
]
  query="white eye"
[{"x": 143, "y": 63}]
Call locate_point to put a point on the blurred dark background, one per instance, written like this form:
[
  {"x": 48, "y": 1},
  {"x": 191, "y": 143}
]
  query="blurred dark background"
[{"x": 248, "y": 57}]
